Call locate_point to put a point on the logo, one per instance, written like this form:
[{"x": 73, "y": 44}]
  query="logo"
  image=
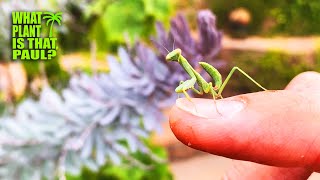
[{"x": 27, "y": 43}]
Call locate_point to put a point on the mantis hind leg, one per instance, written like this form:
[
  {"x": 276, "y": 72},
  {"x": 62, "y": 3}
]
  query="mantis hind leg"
[
  {"x": 229, "y": 76},
  {"x": 214, "y": 95}
]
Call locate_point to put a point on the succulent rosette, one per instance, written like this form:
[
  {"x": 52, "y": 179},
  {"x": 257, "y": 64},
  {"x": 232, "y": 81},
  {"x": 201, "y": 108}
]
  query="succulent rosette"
[{"x": 105, "y": 117}]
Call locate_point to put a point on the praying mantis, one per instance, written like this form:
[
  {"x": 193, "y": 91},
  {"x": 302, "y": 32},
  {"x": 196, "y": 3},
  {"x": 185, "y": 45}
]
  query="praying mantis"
[{"x": 203, "y": 85}]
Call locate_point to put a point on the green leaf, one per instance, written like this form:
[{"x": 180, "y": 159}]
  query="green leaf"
[{"x": 123, "y": 16}]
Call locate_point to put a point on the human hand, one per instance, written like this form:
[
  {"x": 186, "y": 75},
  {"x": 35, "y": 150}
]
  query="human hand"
[{"x": 278, "y": 131}]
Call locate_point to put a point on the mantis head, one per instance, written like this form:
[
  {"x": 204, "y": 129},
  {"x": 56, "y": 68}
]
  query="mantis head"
[{"x": 174, "y": 55}]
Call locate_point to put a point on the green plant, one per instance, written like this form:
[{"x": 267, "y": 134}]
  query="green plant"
[
  {"x": 297, "y": 17},
  {"x": 257, "y": 9},
  {"x": 2, "y": 105},
  {"x": 57, "y": 77},
  {"x": 266, "y": 66},
  {"x": 289, "y": 17},
  {"x": 116, "y": 20}
]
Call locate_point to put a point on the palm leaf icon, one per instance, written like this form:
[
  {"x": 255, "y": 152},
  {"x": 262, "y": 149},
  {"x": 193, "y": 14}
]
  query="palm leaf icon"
[{"x": 51, "y": 18}]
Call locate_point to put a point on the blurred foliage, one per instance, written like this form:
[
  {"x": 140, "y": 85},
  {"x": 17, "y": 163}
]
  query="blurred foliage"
[
  {"x": 57, "y": 77},
  {"x": 2, "y": 105},
  {"x": 98, "y": 119},
  {"x": 258, "y": 10},
  {"x": 82, "y": 61},
  {"x": 297, "y": 17},
  {"x": 273, "y": 69},
  {"x": 288, "y": 17},
  {"x": 113, "y": 172},
  {"x": 75, "y": 34},
  {"x": 110, "y": 22}
]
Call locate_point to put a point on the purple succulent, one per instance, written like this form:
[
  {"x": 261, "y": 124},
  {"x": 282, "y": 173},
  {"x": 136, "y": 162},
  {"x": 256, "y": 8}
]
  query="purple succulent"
[
  {"x": 143, "y": 76},
  {"x": 84, "y": 125},
  {"x": 205, "y": 48},
  {"x": 210, "y": 38}
]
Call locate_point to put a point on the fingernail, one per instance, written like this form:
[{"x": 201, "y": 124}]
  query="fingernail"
[{"x": 211, "y": 109}]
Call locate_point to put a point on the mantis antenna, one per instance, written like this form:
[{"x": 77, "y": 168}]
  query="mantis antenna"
[
  {"x": 164, "y": 48},
  {"x": 161, "y": 45},
  {"x": 173, "y": 44}
]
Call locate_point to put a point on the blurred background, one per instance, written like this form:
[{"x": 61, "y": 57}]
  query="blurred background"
[{"x": 99, "y": 110}]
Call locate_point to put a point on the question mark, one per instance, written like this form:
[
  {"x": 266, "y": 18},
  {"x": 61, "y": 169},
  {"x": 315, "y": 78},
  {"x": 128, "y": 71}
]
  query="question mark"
[{"x": 52, "y": 53}]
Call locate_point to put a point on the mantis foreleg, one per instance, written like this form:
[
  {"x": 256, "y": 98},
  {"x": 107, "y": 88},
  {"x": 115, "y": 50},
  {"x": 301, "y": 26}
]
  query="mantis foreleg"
[
  {"x": 185, "y": 85},
  {"x": 229, "y": 76},
  {"x": 186, "y": 94}
]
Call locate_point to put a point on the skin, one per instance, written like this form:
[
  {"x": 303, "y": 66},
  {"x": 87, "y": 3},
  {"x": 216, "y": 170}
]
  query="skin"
[
  {"x": 204, "y": 86},
  {"x": 276, "y": 134}
]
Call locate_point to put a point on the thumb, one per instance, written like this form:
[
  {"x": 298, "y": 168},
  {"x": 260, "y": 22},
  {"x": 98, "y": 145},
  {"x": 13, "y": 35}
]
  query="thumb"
[{"x": 278, "y": 128}]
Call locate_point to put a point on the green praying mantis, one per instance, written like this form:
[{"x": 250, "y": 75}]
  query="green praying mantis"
[{"x": 203, "y": 85}]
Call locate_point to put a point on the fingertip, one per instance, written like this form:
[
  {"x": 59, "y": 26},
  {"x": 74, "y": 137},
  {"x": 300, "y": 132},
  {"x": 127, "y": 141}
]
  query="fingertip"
[
  {"x": 305, "y": 81},
  {"x": 173, "y": 116},
  {"x": 264, "y": 124},
  {"x": 182, "y": 126},
  {"x": 209, "y": 108},
  {"x": 204, "y": 129}
]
